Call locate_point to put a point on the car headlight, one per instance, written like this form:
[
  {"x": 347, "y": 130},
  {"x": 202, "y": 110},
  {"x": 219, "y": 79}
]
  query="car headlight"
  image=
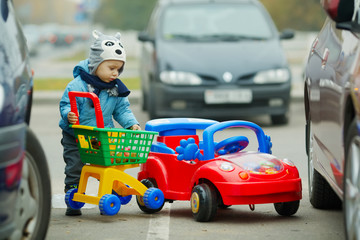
[
  {"x": 179, "y": 78},
  {"x": 226, "y": 167},
  {"x": 272, "y": 76}
]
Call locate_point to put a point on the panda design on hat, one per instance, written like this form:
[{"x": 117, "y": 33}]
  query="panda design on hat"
[{"x": 105, "y": 47}]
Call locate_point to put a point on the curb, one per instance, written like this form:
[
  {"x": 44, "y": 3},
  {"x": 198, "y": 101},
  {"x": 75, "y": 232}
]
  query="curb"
[{"x": 53, "y": 97}]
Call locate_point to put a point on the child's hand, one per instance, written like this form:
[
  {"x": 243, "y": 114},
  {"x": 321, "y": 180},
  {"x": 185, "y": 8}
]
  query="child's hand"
[
  {"x": 135, "y": 127},
  {"x": 72, "y": 118}
]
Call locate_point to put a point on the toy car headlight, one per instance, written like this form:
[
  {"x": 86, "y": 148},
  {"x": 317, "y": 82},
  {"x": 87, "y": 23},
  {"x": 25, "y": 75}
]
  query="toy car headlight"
[
  {"x": 288, "y": 162},
  {"x": 179, "y": 78},
  {"x": 226, "y": 167},
  {"x": 272, "y": 76}
]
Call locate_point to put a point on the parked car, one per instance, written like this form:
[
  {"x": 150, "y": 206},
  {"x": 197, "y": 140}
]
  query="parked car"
[
  {"x": 211, "y": 172},
  {"x": 25, "y": 192},
  {"x": 214, "y": 59},
  {"x": 331, "y": 97}
]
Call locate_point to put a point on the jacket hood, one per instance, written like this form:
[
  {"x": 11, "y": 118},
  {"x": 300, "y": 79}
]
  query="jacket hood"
[
  {"x": 215, "y": 58},
  {"x": 81, "y": 65}
]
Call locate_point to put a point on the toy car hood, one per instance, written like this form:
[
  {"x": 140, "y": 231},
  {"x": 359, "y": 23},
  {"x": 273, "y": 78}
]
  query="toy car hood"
[{"x": 253, "y": 162}]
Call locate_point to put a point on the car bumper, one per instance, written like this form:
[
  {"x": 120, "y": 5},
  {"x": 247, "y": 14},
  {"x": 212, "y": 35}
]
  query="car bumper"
[
  {"x": 12, "y": 144},
  {"x": 190, "y": 101},
  {"x": 260, "y": 192}
]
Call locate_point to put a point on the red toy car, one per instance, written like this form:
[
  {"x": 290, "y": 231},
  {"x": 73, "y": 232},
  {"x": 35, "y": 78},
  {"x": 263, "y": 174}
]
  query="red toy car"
[{"x": 217, "y": 174}]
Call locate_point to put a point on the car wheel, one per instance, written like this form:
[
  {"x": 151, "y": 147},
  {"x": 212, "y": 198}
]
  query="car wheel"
[
  {"x": 143, "y": 100},
  {"x": 203, "y": 202},
  {"x": 34, "y": 197},
  {"x": 287, "y": 208},
  {"x": 140, "y": 199},
  {"x": 352, "y": 183},
  {"x": 279, "y": 119},
  {"x": 151, "y": 106},
  {"x": 321, "y": 194}
]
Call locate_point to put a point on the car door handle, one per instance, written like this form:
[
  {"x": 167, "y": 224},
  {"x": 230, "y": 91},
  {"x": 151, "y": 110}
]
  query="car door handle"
[{"x": 325, "y": 58}]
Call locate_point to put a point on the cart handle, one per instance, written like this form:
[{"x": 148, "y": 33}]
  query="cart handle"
[{"x": 97, "y": 107}]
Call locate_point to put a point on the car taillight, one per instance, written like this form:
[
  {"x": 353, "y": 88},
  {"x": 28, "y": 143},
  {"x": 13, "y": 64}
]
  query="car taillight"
[
  {"x": 13, "y": 174},
  {"x": 331, "y": 7}
]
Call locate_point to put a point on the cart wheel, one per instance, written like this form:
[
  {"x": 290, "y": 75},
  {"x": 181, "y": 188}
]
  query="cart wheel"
[
  {"x": 109, "y": 204},
  {"x": 69, "y": 202},
  {"x": 287, "y": 208},
  {"x": 203, "y": 202},
  {"x": 123, "y": 199},
  {"x": 153, "y": 198},
  {"x": 140, "y": 199}
]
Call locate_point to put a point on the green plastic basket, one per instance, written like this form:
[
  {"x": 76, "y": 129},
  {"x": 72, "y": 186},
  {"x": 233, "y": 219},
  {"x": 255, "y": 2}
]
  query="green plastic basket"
[{"x": 112, "y": 146}]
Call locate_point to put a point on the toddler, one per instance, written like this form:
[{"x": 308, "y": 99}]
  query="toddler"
[{"x": 98, "y": 74}]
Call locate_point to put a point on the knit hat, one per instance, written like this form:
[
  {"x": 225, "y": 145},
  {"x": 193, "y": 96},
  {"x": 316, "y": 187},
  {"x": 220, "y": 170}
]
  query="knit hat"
[{"x": 105, "y": 47}]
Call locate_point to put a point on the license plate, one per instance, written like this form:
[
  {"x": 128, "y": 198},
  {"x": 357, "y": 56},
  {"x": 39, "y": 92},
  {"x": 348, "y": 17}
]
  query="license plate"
[{"x": 228, "y": 96}]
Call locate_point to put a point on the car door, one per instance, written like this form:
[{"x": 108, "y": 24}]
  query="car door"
[{"x": 331, "y": 65}]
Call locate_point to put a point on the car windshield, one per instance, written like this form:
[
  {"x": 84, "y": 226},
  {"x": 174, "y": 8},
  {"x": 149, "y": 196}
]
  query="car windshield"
[{"x": 215, "y": 22}]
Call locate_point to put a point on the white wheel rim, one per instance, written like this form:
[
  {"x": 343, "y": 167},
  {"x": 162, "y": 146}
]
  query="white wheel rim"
[{"x": 352, "y": 190}]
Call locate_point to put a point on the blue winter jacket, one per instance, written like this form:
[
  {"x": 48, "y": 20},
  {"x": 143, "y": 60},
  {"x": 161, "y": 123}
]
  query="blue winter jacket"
[{"x": 117, "y": 107}]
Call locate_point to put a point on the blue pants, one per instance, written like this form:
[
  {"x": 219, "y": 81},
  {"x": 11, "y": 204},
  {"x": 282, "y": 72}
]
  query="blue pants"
[{"x": 72, "y": 159}]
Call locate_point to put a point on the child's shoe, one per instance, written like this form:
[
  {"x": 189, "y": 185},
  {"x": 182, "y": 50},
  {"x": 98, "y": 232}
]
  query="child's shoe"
[{"x": 69, "y": 210}]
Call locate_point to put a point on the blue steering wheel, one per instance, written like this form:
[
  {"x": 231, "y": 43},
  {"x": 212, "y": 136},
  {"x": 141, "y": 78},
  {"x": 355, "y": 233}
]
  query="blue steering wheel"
[{"x": 231, "y": 145}]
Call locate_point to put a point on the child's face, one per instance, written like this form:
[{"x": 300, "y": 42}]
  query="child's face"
[{"x": 108, "y": 70}]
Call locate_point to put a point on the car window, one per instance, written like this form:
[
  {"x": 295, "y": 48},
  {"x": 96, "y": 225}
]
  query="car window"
[{"x": 225, "y": 22}]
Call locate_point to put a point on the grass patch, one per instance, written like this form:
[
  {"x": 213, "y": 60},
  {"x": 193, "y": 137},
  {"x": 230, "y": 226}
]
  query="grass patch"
[
  {"x": 76, "y": 57},
  {"x": 54, "y": 84}
]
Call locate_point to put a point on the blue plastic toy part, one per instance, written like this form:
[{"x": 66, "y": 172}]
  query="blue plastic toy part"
[
  {"x": 208, "y": 136},
  {"x": 231, "y": 145},
  {"x": 188, "y": 150},
  {"x": 153, "y": 198},
  {"x": 109, "y": 204},
  {"x": 69, "y": 202},
  {"x": 161, "y": 148},
  {"x": 123, "y": 199},
  {"x": 177, "y": 126}
]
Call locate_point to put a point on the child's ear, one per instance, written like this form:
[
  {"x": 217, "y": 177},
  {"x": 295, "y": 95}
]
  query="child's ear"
[
  {"x": 96, "y": 34},
  {"x": 118, "y": 35}
]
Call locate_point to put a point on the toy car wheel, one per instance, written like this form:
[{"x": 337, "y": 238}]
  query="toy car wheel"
[
  {"x": 203, "y": 202},
  {"x": 123, "y": 199},
  {"x": 320, "y": 192},
  {"x": 69, "y": 202},
  {"x": 153, "y": 198},
  {"x": 287, "y": 208},
  {"x": 140, "y": 199},
  {"x": 109, "y": 204}
]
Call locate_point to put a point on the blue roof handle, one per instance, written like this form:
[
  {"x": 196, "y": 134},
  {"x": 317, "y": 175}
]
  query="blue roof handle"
[{"x": 208, "y": 136}]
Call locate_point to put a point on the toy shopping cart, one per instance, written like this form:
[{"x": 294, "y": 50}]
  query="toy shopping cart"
[{"x": 107, "y": 153}]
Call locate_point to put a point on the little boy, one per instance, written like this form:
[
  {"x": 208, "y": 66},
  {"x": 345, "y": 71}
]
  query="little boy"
[{"x": 98, "y": 74}]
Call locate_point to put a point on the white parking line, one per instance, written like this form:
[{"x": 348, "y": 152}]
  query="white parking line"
[{"x": 159, "y": 224}]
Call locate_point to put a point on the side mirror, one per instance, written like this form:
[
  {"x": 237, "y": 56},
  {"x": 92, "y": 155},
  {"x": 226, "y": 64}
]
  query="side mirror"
[
  {"x": 287, "y": 34},
  {"x": 144, "y": 37}
]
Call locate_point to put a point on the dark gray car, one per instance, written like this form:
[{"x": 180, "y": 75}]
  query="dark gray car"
[
  {"x": 214, "y": 59},
  {"x": 332, "y": 83},
  {"x": 25, "y": 188}
]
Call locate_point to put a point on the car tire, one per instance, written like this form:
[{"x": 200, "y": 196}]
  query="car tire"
[
  {"x": 143, "y": 100},
  {"x": 287, "y": 208},
  {"x": 321, "y": 195},
  {"x": 140, "y": 199},
  {"x": 279, "y": 119},
  {"x": 351, "y": 183},
  {"x": 203, "y": 202},
  {"x": 34, "y": 197}
]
